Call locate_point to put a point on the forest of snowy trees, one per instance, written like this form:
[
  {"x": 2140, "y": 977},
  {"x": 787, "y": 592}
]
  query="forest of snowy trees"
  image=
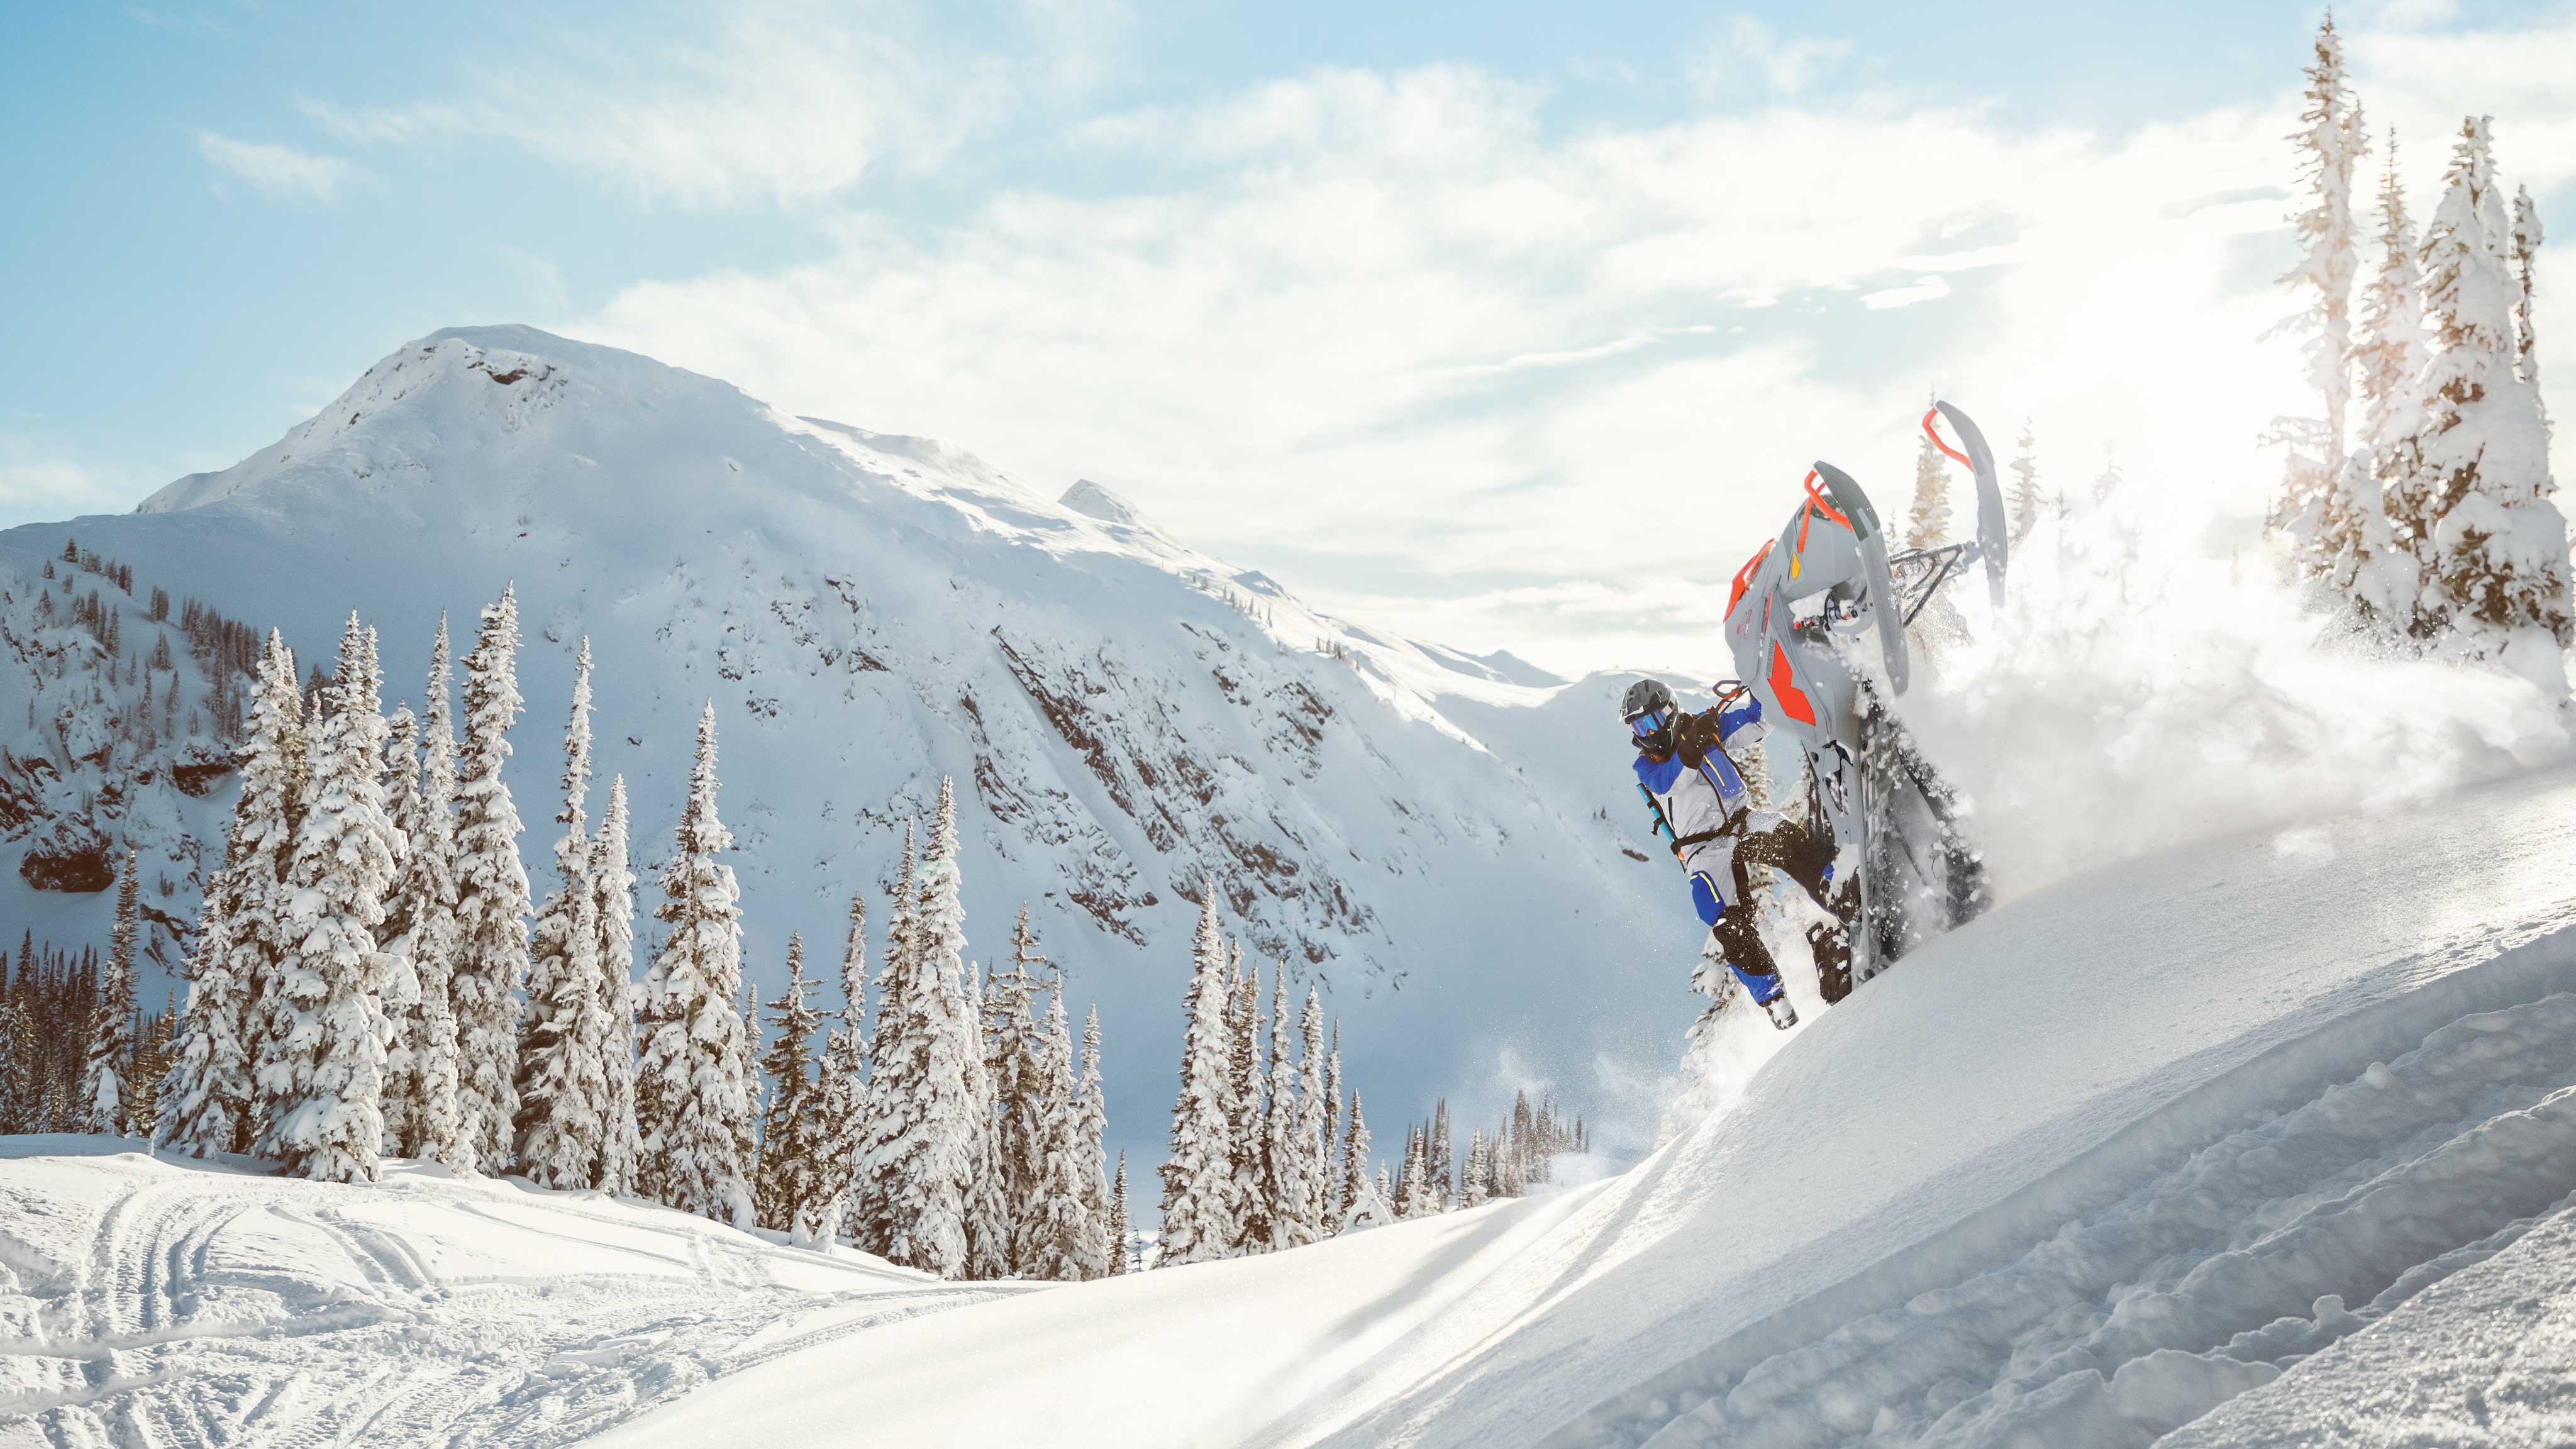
[
  {"x": 1263, "y": 1154},
  {"x": 372, "y": 975},
  {"x": 2431, "y": 520}
]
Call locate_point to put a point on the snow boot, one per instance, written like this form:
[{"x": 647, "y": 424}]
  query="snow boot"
[{"x": 1768, "y": 994}]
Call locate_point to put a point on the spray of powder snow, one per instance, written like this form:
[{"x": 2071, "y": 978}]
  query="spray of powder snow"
[
  {"x": 2133, "y": 696},
  {"x": 2137, "y": 693}
]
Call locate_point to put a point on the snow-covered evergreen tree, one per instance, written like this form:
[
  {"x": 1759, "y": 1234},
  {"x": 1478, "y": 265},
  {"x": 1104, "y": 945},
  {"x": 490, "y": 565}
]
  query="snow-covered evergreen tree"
[
  {"x": 1118, "y": 1229},
  {"x": 2330, "y": 144},
  {"x": 1248, "y": 1105},
  {"x": 2389, "y": 550},
  {"x": 1307, "y": 1204},
  {"x": 1063, "y": 1246},
  {"x": 326, "y": 1069},
  {"x": 429, "y": 1122},
  {"x": 1334, "y": 1200},
  {"x": 106, "y": 1095},
  {"x": 1413, "y": 1195},
  {"x": 2497, "y": 575},
  {"x": 491, "y": 895},
  {"x": 205, "y": 1095},
  {"x": 1480, "y": 1167},
  {"x": 1198, "y": 1194},
  {"x": 1091, "y": 1164},
  {"x": 621, "y": 1140},
  {"x": 1283, "y": 1163},
  {"x": 843, "y": 1099},
  {"x": 562, "y": 1081},
  {"x": 1014, "y": 1068},
  {"x": 692, "y": 1100},
  {"x": 255, "y": 857},
  {"x": 791, "y": 1189},
  {"x": 402, "y": 804},
  {"x": 1363, "y": 1203},
  {"x": 921, "y": 1142},
  {"x": 2025, "y": 488},
  {"x": 988, "y": 1207},
  {"x": 874, "y": 1211},
  {"x": 1442, "y": 1164}
]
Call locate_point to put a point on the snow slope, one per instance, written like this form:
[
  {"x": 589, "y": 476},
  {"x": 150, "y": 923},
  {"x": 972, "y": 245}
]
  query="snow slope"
[
  {"x": 1126, "y": 717},
  {"x": 159, "y": 1302},
  {"x": 2074, "y": 1175}
]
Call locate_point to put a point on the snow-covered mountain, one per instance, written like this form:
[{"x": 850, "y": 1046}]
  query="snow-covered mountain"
[{"x": 1128, "y": 719}]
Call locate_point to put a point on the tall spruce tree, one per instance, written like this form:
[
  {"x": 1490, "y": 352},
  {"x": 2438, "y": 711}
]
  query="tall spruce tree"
[
  {"x": 562, "y": 1081},
  {"x": 791, "y": 1189},
  {"x": 1334, "y": 1201},
  {"x": 256, "y": 854},
  {"x": 621, "y": 1142},
  {"x": 924, "y": 1129},
  {"x": 2025, "y": 489},
  {"x": 402, "y": 1054},
  {"x": 429, "y": 1123},
  {"x": 1091, "y": 1166},
  {"x": 491, "y": 895},
  {"x": 1198, "y": 1194},
  {"x": 1363, "y": 1204},
  {"x": 2381, "y": 562},
  {"x": 210, "y": 1101},
  {"x": 1309, "y": 1203},
  {"x": 1014, "y": 1066},
  {"x": 1248, "y": 1104},
  {"x": 326, "y": 1069},
  {"x": 1118, "y": 1229},
  {"x": 1440, "y": 1168},
  {"x": 106, "y": 1089},
  {"x": 845, "y": 1063},
  {"x": 2331, "y": 142},
  {"x": 988, "y": 1207},
  {"x": 875, "y": 1216},
  {"x": 2497, "y": 575},
  {"x": 1283, "y": 1178},
  {"x": 691, "y": 1097},
  {"x": 1062, "y": 1246}
]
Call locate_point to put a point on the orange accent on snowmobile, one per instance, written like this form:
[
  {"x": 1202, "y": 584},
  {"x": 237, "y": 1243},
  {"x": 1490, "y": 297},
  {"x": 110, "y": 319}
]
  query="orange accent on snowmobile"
[
  {"x": 1784, "y": 687},
  {"x": 1934, "y": 434},
  {"x": 1815, "y": 501},
  {"x": 1735, "y": 596}
]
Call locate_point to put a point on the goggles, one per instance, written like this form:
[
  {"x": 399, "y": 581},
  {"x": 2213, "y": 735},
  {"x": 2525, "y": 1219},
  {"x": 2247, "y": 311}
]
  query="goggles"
[{"x": 1650, "y": 726}]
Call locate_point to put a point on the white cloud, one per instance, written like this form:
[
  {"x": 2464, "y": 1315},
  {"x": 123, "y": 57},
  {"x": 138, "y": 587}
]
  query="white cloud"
[
  {"x": 276, "y": 170},
  {"x": 787, "y": 101},
  {"x": 36, "y": 482},
  {"x": 1785, "y": 65},
  {"x": 1394, "y": 307},
  {"x": 1924, "y": 289}
]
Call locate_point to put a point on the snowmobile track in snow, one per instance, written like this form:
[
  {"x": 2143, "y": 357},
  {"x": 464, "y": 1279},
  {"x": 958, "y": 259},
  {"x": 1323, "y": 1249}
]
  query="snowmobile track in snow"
[
  {"x": 147, "y": 1302},
  {"x": 2231, "y": 1251}
]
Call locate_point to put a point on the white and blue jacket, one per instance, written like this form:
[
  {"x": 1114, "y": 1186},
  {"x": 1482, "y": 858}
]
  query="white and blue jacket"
[{"x": 1700, "y": 811}]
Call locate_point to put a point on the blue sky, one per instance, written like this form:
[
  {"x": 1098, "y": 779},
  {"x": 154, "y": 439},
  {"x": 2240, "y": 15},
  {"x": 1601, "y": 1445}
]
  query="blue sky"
[{"x": 1439, "y": 277}]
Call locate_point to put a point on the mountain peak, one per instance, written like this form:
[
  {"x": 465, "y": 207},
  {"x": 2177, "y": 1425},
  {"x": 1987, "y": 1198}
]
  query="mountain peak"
[{"x": 1094, "y": 501}]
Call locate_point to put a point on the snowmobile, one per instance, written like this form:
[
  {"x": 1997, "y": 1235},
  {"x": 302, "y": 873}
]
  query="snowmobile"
[{"x": 1803, "y": 619}]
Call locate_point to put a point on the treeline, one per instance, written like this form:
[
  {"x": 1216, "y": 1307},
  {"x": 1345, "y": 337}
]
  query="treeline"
[
  {"x": 2429, "y": 516},
  {"x": 1263, "y": 1154},
  {"x": 371, "y": 978},
  {"x": 61, "y": 1033}
]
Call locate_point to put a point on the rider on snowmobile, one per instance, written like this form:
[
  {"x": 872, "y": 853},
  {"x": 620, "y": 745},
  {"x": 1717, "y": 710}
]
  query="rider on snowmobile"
[{"x": 1705, "y": 813}]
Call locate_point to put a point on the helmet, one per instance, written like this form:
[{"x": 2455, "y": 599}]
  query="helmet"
[
  {"x": 1650, "y": 712},
  {"x": 1644, "y": 695}
]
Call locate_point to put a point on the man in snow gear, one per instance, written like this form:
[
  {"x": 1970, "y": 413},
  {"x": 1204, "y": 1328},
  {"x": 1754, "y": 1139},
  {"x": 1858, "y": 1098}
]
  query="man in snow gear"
[{"x": 1702, "y": 809}]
